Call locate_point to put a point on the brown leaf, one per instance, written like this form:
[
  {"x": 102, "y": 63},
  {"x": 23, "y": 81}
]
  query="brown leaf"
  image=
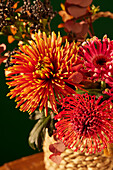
[
  {"x": 76, "y": 77},
  {"x": 79, "y": 28},
  {"x": 65, "y": 16},
  {"x": 82, "y": 3},
  {"x": 76, "y": 11},
  {"x": 55, "y": 158},
  {"x": 52, "y": 148},
  {"x": 77, "y": 67},
  {"x": 77, "y": 8},
  {"x": 73, "y": 26},
  {"x": 57, "y": 147},
  {"x": 85, "y": 3}
]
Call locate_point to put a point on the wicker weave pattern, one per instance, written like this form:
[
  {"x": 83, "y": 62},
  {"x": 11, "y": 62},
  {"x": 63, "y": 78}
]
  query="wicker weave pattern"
[{"x": 76, "y": 160}]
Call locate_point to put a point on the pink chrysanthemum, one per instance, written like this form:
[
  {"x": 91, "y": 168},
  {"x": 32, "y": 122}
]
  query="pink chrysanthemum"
[
  {"x": 97, "y": 58},
  {"x": 84, "y": 123},
  {"x": 39, "y": 72}
]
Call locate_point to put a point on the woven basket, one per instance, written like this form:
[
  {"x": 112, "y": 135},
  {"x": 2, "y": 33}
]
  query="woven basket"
[{"x": 76, "y": 160}]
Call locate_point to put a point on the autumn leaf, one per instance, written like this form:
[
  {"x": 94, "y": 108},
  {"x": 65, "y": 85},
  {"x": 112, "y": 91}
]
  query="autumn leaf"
[
  {"x": 55, "y": 158},
  {"x": 13, "y": 29},
  {"x": 10, "y": 39},
  {"x": 15, "y": 5},
  {"x": 57, "y": 147}
]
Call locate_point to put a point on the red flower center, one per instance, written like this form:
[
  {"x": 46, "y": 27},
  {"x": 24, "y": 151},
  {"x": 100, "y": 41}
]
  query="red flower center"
[
  {"x": 85, "y": 123},
  {"x": 99, "y": 61}
]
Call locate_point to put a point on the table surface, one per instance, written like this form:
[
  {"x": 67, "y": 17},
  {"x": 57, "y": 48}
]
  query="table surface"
[{"x": 32, "y": 162}]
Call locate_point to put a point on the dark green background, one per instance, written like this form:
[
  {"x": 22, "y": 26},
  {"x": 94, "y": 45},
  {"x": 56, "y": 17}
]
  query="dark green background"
[{"x": 15, "y": 125}]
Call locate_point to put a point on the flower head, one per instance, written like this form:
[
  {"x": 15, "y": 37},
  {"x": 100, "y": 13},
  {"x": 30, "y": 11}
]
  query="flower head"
[
  {"x": 39, "y": 72},
  {"x": 97, "y": 58},
  {"x": 84, "y": 123}
]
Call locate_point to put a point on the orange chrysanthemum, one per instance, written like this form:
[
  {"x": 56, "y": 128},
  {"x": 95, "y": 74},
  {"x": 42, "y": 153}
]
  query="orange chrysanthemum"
[{"x": 39, "y": 72}]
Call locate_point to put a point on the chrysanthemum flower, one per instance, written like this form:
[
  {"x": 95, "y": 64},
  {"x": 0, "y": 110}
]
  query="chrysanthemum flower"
[
  {"x": 39, "y": 72},
  {"x": 97, "y": 58},
  {"x": 85, "y": 123}
]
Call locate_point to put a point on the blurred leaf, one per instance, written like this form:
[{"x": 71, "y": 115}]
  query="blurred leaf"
[
  {"x": 10, "y": 39},
  {"x": 1, "y": 33},
  {"x": 21, "y": 28},
  {"x": 36, "y": 115},
  {"x": 37, "y": 134},
  {"x": 44, "y": 21},
  {"x": 23, "y": 35},
  {"x": 15, "y": 5},
  {"x": 50, "y": 125},
  {"x": 8, "y": 19},
  {"x": 18, "y": 10},
  {"x": 13, "y": 29}
]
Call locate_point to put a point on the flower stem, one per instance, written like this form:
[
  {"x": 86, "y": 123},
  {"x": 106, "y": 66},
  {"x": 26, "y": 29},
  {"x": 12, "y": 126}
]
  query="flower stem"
[{"x": 91, "y": 27}]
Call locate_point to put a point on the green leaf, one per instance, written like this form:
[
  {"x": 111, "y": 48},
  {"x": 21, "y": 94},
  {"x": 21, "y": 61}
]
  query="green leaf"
[
  {"x": 8, "y": 19},
  {"x": 37, "y": 134}
]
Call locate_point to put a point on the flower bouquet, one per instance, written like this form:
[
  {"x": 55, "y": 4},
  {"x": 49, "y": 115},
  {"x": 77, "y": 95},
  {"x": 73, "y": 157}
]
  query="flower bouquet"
[{"x": 65, "y": 82}]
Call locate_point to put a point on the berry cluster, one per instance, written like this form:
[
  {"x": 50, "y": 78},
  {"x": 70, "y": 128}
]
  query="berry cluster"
[
  {"x": 36, "y": 12},
  {"x": 30, "y": 17},
  {"x": 6, "y": 12}
]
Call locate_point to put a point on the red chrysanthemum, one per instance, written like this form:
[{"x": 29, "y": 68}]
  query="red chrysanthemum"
[
  {"x": 39, "y": 72},
  {"x": 97, "y": 58},
  {"x": 84, "y": 123}
]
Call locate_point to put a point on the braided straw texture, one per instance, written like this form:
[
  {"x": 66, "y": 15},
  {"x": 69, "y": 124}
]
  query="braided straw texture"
[{"x": 75, "y": 160}]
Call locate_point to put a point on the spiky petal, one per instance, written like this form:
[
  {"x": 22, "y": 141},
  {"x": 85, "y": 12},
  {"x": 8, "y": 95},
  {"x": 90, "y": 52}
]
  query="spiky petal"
[
  {"x": 84, "y": 123},
  {"x": 39, "y": 72},
  {"x": 97, "y": 58}
]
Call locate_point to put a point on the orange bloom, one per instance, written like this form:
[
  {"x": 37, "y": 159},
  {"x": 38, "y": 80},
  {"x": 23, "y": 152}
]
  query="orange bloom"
[{"x": 39, "y": 72}]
